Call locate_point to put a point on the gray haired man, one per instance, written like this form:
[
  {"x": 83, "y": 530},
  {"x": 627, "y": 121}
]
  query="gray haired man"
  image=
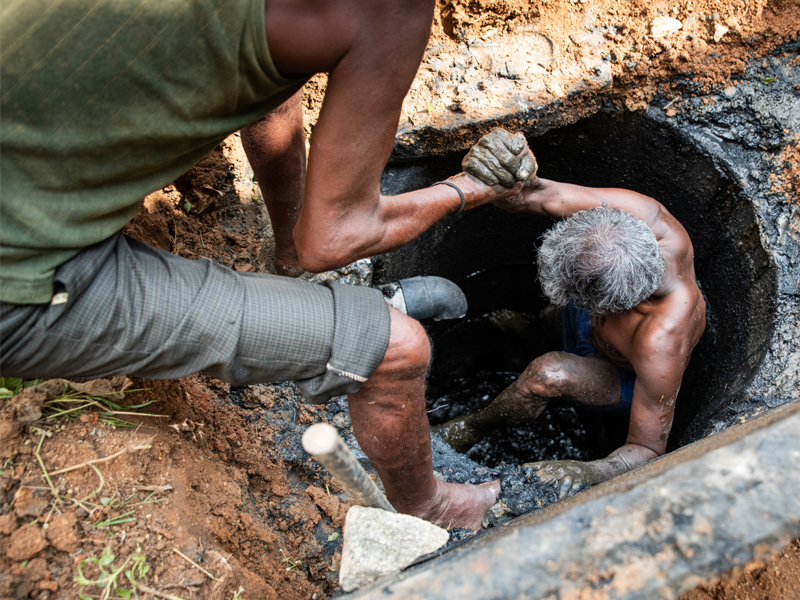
[{"x": 621, "y": 268}]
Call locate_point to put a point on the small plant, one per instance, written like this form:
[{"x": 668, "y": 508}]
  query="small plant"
[
  {"x": 287, "y": 560},
  {"x": 237, "y": 595},
  {"x": 11, "y": 386},
  {"x": 108, "y": 576},
  {"x": 72, "y": 404}
]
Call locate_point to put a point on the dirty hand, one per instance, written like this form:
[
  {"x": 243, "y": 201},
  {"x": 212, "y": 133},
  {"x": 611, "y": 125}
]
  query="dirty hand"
[
  {"x": 500, "y": 158},
  {"x": 567, "y": 476}
]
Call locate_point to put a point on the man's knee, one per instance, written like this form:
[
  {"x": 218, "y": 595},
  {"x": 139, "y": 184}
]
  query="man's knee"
[
  {"x": 409, "y": 351},
  {"x": 547, "y": 377}
]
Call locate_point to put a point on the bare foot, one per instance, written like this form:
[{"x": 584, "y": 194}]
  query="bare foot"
[
  {"x": 459, "y": 505},
  {"x": 459, "y": 434}
]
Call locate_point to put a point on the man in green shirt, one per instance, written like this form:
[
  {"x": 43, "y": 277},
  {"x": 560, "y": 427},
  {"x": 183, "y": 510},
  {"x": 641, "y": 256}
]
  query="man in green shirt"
[{"x": 105, "y": 101}]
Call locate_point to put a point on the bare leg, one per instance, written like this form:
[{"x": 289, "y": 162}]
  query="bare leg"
[
  {"x": 276, "y": 149},
  {"x": 553, "y": 376},
  {"x": 390, "y": 422}
]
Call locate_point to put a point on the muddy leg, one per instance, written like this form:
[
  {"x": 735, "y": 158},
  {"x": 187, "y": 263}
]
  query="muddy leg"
[
  {"x": 391, "y": 425},
  {"x": 276, "y": 149},
  {"x": 552, "y": 376}
]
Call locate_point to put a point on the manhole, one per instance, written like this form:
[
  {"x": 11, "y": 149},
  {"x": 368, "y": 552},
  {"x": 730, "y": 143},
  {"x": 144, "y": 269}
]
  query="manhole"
[{"x": 492, "y": 254}]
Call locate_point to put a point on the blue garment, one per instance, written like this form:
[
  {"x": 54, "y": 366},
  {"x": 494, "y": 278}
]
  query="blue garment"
[{"x": 575, "y": 325}]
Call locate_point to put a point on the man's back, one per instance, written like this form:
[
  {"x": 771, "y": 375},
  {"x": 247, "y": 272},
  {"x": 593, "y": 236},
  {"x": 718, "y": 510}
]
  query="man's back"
[
  {"x": 104, "y": 102},
  {"x": 672, "y": 319}
]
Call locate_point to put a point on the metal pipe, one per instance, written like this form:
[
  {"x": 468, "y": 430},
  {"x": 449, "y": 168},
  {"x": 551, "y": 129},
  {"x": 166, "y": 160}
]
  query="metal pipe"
[{"x": 322, "y": 441}]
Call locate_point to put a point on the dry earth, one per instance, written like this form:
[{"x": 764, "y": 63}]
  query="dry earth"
[{"x": 206, "y": 503}]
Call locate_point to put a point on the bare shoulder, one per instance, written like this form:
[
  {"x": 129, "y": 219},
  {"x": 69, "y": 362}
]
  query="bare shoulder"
[{"x": 672, "y": 324}]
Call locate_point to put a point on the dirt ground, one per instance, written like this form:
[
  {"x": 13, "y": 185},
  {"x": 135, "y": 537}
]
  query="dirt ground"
[{"x": 198, "y": 501}]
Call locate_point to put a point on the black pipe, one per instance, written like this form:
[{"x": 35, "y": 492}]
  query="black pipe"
[{"x": 434, "y": 298}]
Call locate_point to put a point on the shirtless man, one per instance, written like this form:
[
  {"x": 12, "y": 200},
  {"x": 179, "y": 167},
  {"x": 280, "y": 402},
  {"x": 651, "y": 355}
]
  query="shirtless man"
[
  {"x": 108, "y": 101},
  {"x": 621, "y": 267}
]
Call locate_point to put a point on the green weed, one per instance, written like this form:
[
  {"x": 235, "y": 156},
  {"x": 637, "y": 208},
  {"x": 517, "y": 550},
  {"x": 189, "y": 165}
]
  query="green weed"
[
  {"x": 108, "y": 576},
  {"x": 287, "y": 560}
]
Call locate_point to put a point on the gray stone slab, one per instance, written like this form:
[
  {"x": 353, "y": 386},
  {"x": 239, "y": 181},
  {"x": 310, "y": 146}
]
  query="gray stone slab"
[{"x": 660, "y": 530}]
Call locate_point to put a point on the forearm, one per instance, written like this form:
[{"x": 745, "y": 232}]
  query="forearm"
[
  {"x": 561, "y": 200},
  {"x": 329, "y": 239}
]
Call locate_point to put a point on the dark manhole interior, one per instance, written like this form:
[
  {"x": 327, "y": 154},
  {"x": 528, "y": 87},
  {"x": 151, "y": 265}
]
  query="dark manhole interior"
[{"x": 492, "y": 255}]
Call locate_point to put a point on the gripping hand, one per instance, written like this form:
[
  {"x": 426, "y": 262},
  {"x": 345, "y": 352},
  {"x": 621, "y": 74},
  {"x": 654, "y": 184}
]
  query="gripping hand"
[{"x": 500, "y": 158}]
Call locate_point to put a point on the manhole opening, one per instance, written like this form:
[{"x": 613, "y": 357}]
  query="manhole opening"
[{"x": 492, "y": 255}]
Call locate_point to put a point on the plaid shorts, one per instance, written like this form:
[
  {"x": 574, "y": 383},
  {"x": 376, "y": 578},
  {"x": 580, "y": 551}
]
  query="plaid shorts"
[{"x": 122, "y": 307}]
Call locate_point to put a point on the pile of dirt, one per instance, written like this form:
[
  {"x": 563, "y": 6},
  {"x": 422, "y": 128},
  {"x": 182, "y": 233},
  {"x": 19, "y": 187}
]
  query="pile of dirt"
[{"x": 199, "y": 495}]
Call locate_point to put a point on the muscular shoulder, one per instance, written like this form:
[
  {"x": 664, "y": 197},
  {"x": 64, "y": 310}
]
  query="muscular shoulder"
[
  {"x": 671, "y": 326},
  {"x": 313, "y": 36}
]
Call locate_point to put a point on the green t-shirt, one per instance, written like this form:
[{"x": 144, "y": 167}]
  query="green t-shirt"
[{"x": 104, "y": 101}]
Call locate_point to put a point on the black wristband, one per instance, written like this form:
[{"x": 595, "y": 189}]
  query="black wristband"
[{"x": 456, "y": 188}]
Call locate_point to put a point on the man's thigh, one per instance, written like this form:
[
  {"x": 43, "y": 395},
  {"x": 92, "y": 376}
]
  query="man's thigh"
[{"x": 152, "y": 314}]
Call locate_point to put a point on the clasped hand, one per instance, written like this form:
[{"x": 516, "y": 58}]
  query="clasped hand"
[{"x": 502, "y": 160}]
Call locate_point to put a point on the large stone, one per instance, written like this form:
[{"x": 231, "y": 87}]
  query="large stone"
[
  {"x": 26, "y": 542},
  {"x": 63, "y": 532},
  {"x": 378, "y": 543},
  {"x": 664, "y": 26}
]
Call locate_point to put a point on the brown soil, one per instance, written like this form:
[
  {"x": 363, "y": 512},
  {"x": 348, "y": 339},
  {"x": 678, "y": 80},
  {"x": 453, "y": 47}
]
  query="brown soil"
[
  {"x": 215, "y": 486},
  {"x": 776, "y": 579}
]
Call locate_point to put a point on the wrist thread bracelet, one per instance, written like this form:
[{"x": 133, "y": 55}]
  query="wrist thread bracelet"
[
  {"x": 627, "y": 464},
  {"x": 456, "y": 188}
]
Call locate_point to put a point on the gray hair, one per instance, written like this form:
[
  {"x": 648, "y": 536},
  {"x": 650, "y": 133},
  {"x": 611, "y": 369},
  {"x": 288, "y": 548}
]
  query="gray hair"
[{"x": 603, "y": 259}]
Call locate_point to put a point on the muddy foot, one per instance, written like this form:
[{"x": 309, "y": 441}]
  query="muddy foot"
[
  {"x": 458, "y": 434},
  {"x": 460, "y": 505}
]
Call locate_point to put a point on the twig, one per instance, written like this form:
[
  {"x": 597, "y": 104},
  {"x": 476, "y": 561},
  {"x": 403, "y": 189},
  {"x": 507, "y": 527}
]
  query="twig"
[
  {"x": 41, "y": 464},
  {"x": 101, "y": 460},
  {"x": 148, "y": 590},
  {"x": 673, "y": 101},
  {"x": 188, "y": 585},
  {"x": 152, "y": 488},
  {"x": 182, "y": 555}
]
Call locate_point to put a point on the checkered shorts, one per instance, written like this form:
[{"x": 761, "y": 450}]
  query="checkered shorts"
[{"x": 123, "y": 307}]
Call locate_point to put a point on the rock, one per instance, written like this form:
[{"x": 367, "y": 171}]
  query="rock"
[
  {"x": 8, "y": 523},
  {"x": 719, "y": 31},
  {"x": 63, "y": 532},
  {"x": 30, "y": 503},
  {"x": 26, "y": 542},
  {"x": 36, "y": 570},
  {"x": 377, "y": 543},
  {"x": 729, "y": 91},
  {"x": 664, "y": 26}
]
